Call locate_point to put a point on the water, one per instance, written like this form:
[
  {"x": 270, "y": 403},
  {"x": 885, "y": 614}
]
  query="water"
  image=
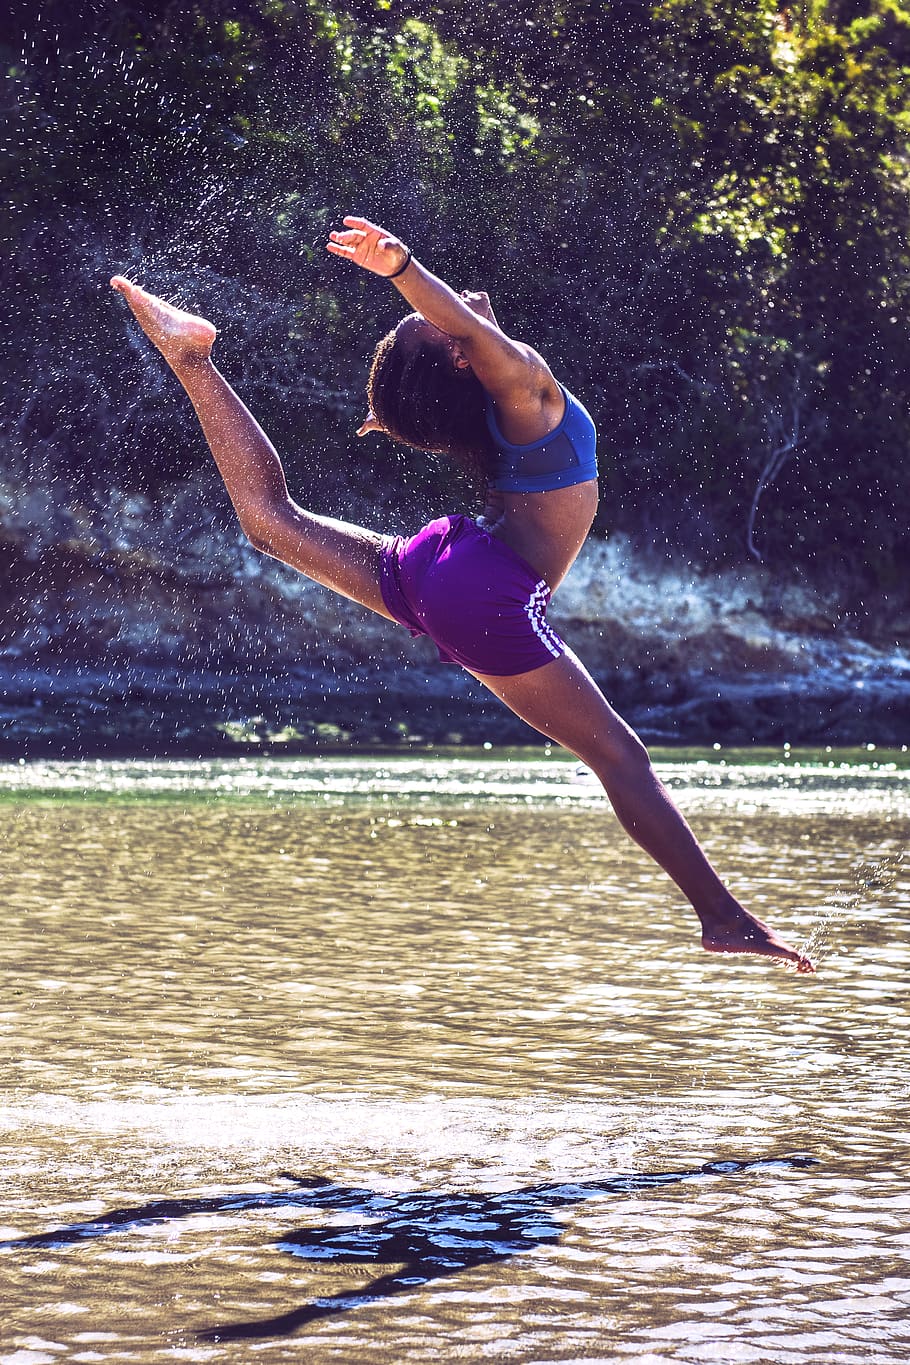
[{"x": 405, "y": 1059}]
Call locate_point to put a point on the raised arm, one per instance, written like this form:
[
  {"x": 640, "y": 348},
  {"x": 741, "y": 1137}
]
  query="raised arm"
[{"x": 511, "y": 372}]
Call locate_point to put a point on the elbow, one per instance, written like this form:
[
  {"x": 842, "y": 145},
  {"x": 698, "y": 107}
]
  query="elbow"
[
  {"x": 258, "y": 542},
  {"x": 258, "y": 525}
]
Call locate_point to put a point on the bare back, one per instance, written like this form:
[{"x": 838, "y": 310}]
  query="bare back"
[{"x": 548, "y": 529}]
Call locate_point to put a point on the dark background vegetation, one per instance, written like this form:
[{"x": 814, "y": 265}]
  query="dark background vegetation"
[{"x": 696, "y": 209}]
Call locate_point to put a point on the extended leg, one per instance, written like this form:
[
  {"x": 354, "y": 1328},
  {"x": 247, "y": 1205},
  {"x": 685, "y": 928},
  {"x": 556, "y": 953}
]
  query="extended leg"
[
  {"x": 341, "y": 556},
  {"x": 562, "y": 701}
]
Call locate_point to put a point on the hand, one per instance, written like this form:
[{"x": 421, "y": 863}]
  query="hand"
[
  {"x": 494, "y": 510},
  {"x": 368, "y": 246},
  {"x": 479, "y": 302},
  {"x": 369, "y": 424}
]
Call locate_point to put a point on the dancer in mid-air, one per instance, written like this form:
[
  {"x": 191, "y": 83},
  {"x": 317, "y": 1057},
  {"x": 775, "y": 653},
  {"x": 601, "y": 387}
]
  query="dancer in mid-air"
[{"x": 448, "y": 380}]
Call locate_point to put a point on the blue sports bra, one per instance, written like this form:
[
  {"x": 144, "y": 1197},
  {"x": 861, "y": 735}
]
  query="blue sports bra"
[{"x": 566, "y": 457}]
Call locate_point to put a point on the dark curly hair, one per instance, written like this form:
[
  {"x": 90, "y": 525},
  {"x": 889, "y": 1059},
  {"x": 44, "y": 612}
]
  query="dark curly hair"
[{"x": 423, "y": 399}]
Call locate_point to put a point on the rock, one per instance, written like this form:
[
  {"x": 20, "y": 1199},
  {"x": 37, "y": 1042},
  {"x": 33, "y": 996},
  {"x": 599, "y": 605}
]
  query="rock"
[{"x": 138, "y": 629}]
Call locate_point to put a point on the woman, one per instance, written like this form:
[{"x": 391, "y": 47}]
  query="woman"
[{"x": 448, "y": 379}]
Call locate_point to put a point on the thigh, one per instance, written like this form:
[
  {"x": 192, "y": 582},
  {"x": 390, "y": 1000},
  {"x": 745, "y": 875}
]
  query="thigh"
[
  {"x": 337, "y": 554},
  {"x": 563, "y": 702}
]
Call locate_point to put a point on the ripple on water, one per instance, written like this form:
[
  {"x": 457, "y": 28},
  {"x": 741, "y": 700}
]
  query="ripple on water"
[{"x": 455, "y": 992}]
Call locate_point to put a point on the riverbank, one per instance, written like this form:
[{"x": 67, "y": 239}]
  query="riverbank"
[
  {"x": 127, "y": 709},
  {"x": 124, "y": 635}
]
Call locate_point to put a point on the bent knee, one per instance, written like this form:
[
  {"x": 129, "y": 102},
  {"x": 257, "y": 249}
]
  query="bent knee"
[
  {"x": 632, "y": 751},
  {"x": 619, "y": 747}
]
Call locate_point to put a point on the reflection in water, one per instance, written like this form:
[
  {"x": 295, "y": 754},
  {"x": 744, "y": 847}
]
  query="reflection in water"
[
  {"x": 429, "y": 1235},
  {"x": 457, "y": 976}
]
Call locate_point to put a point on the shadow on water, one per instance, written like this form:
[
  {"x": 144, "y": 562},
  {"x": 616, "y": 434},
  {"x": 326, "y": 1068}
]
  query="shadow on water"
[{"x": 428, "y": 1235}]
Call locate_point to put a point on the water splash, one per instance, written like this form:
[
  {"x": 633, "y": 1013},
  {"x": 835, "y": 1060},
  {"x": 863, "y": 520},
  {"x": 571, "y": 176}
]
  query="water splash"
[{"x": 871, "y": 879}]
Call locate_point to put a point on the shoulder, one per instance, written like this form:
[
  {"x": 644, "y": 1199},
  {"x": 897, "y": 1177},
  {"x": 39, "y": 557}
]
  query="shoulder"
[
  {"x": 525, "y": 416},
  {"x": 532, "y": 403},
  {"x": 539, "y": 375}
]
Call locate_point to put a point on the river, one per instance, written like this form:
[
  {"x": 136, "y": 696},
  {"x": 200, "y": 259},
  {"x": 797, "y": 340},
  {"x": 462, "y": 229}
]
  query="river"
[{"x": 412, "y": 1058}]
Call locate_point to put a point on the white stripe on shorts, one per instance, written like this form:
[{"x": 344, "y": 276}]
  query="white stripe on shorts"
[{"x": 534, "y": 610}]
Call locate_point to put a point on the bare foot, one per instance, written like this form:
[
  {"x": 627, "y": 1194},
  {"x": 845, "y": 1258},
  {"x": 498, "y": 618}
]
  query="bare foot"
[
  {"x": 180, "y": 337},
  {"x": 734, "y": 930}
]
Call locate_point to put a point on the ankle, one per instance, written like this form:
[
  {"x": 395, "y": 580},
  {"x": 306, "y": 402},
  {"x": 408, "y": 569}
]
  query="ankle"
[
  {"x": 718, "y": 907},
  {"x": 190, "y": 365}
]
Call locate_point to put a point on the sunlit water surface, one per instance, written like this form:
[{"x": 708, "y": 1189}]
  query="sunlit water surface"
[{"x": 388, "y": 1060}]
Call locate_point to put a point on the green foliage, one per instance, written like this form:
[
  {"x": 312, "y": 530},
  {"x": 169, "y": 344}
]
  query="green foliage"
[{"x": 697, "y": 208}]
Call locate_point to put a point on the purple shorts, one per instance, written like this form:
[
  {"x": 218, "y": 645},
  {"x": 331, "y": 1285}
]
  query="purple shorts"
[{"x": 479, "y": 602}]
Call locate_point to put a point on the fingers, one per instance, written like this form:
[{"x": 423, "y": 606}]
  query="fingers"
[
  {"x": 355, "y": 236},
  {"x": 345, "y": 243},
  {"x": 361, "y": 229},
  {"x": 361, "y": 241},
  {"x": 350, "y": 238},
  {"x": 358, "y": 231},
  {"x": 363, "y": 225}
]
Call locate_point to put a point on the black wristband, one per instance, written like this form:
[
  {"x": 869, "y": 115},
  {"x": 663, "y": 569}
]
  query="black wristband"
[{"x": 402, "y": 268}]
